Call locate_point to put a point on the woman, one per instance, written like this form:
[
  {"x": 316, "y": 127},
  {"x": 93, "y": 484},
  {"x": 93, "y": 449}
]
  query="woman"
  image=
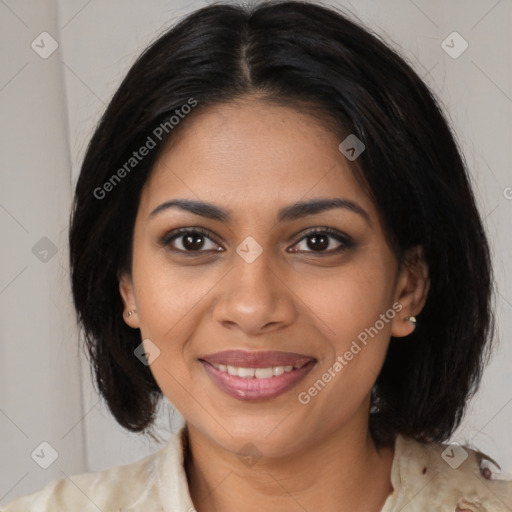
[{"x": 274, "y": 228}]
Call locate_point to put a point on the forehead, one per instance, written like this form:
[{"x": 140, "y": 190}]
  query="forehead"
[{"x": 252, "y": 154}]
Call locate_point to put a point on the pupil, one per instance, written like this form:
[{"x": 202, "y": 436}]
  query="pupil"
[
  {"x": 190, "y": 245},
  {"x": 318, "y": 246}
]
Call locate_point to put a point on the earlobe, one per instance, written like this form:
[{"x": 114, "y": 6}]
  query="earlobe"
[
  {"x": 128, "y": 297},
  {"x": 411, "y": 292}
]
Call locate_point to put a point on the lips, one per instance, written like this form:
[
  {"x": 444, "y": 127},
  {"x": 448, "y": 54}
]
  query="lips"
[{"x": 256, "y": 376}]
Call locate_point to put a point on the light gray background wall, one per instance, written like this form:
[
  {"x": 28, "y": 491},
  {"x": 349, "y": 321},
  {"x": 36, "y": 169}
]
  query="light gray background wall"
[{"x": 49, "y": 107}]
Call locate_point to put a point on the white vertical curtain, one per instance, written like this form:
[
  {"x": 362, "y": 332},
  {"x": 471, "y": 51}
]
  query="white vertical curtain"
[{"x": 40, "y": 381}]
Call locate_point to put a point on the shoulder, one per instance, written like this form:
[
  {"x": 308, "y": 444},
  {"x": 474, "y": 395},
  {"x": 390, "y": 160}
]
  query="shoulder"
[
  {"x": 451, "y": 477},
  {"x": 121, "y": 488}
]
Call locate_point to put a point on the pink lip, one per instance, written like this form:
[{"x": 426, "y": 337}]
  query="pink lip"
[
  {"x": 245, "y": 359},
  {"x": 253, "y": 389}
]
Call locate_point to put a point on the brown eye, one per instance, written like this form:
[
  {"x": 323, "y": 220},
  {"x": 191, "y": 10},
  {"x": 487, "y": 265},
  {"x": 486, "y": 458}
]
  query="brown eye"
[
  {"x": 189, "y": 240},
  {"x": 323, "y": 241}
]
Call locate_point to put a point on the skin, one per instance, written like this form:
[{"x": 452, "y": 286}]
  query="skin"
[{"x": 254, "y": 158}]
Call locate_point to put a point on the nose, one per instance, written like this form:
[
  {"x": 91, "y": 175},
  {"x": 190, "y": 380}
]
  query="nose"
[{"x": 254, "y": 297}]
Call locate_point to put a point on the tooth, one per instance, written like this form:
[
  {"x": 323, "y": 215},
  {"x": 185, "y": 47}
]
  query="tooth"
[
  {"x": 258, "y": 373},
  {"x": 246, "y": 372},
  {"x": 263, "y": 373}
]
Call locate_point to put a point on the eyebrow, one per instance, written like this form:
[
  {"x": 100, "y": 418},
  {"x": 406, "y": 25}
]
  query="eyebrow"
[{"x": 288, "y": 213}]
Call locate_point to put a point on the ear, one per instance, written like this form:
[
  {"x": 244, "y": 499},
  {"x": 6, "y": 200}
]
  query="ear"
[
  {"x": 129, "y": 302},
  {"x": 411, "y": 292}
]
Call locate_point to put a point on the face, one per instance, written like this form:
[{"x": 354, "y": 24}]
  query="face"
[{"x": 270, "y": 317}]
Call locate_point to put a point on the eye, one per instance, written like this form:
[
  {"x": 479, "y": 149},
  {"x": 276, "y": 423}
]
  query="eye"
[
  {"x": 198, "y": 240},
  {"x": 318, "y": 240},
  {"x": 191, "y": 240}
]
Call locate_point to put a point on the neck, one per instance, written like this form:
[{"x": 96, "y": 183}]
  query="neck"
[{"x": 343, "y": 471}]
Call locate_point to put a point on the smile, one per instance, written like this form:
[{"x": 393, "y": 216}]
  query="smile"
[{"x": 266, "y": 378}]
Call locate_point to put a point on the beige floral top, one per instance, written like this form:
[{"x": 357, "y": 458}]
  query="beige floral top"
[{"x": 434, "y": 477}]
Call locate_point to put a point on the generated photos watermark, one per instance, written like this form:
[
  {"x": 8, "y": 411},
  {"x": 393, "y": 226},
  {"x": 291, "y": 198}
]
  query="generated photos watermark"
[
  {"x": 341, "y": 361},
  {"x": 151, "y": 142}
]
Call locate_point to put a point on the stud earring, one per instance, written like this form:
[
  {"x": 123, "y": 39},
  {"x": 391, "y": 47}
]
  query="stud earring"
[
  {"x": 411, "y": 319},
  {"x": 130, "y": 313}
]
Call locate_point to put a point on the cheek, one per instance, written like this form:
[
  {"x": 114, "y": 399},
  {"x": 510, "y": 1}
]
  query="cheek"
[
  {"x": 169, "y": 300},
  {"x": 351, "y": 300},
  {"x": 169, "y": 305},
  {"x": 168, "y": 296},
  {"x": 354, "y": 308}
]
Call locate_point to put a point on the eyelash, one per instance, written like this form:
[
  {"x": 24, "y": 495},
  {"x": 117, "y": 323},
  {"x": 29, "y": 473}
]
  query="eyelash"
[{"x": 345, "y": 241}]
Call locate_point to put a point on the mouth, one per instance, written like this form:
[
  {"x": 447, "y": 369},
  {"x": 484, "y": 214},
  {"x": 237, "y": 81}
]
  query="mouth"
[{"x": 256, "y": 376}]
